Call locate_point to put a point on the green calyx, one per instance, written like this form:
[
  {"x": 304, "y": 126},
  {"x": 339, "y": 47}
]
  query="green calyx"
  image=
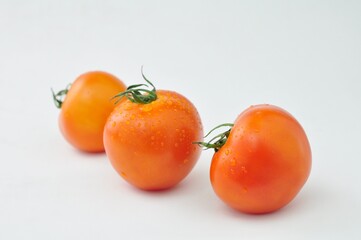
[
  {"x": 137, "y": 94},
  {"x": 217, "y": 141},
  {"x": 59, "y": 96}
]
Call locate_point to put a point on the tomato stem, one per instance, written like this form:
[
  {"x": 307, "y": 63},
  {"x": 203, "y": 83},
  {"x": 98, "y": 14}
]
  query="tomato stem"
[
  {"x": 217, "y": 141},
  {"x": 59, "y": 97},
  {"x": 136, "y": 94}
]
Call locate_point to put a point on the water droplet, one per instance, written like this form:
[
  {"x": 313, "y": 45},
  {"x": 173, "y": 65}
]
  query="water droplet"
[
  {"x": 147, "y": 108},
  {"x": 176, "y": 144},
  {"x": 123, "y": 174},
  {"x": 243, "y": 169}
]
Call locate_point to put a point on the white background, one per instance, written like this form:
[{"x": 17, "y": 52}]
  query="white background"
[{"x": 304, "y": 56}]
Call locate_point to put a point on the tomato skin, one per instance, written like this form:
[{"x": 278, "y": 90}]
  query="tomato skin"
[
  {"x": 86, "y": 108},
  {"x": 150, "y": 145},
  {"x": 264, "y": 163}
]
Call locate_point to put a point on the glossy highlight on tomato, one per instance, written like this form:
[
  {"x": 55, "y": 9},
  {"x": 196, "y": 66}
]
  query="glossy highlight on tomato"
[
  {"x": 149, "y": 143},
  {"x": 86, "y": 107},
  {"x": 264, "y": 162}
]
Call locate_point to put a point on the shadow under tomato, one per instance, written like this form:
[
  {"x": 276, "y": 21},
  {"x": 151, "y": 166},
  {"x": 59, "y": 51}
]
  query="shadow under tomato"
[
  {"x": 186, "y": 187},
  {"x": 303, "y": 202},
  {"x": 169, "y": 193},
  {"x": 90, "y": 155}
]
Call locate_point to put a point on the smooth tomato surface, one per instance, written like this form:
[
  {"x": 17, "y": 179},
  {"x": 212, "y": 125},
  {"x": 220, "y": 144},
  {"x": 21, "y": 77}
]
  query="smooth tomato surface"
[
  {"x": 86, "y": 108},
  {"x": 264, "y": 163},
  {"x": 150, "y": 145}
]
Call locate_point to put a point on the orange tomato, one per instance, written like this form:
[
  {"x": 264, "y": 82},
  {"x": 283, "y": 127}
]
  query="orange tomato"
[
  {"x": 150, "y": 144},
  {"x": 85, "y": 109},
  {"x": 264, "y": 162}
]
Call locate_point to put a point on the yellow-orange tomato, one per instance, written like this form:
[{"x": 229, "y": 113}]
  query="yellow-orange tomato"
[
  {"x": 86, "y": 107},
  {"x": 150, "y": 145},
  {"x": 264, "y": 163}
]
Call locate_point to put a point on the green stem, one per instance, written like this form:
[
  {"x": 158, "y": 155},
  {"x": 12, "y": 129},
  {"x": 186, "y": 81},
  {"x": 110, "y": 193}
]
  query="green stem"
[
  {"x": 219, "y": 140},
  {"x": 58, "y": 98},
  {"x": 136, "y": 94}
]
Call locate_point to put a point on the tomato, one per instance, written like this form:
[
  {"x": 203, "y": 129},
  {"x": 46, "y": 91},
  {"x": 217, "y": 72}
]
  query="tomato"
[
  {"x": 149, "y": 142},
  {"x": 86, "y": 106},
  {"x": 264, "y": 162}
]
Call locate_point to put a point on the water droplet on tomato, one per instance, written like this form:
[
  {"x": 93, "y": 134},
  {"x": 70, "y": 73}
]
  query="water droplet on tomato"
[
  {"x": 123, "y": 174},
  {"x": 147, "y": 108},
  {"x": 176, "y": 144},
  {"x": 227, "y": 152}
]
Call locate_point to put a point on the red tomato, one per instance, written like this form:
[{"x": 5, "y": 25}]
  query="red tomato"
[
  {"x": 150, "y": 144},
  {"x": 85, "y": 109},
  {"x": 264, "y": 162}
]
